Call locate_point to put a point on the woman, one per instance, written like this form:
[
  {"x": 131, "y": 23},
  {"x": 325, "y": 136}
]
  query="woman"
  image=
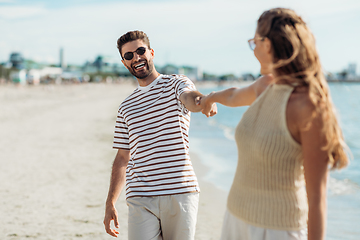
[{"x": 287, "y": 139}]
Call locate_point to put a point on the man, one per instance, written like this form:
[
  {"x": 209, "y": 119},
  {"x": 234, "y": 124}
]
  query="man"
[{"x": 151, "y": 135}]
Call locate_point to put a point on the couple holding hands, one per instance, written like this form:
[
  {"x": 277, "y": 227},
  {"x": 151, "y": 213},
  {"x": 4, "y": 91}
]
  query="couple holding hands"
[{"x": 288, "y": 140}]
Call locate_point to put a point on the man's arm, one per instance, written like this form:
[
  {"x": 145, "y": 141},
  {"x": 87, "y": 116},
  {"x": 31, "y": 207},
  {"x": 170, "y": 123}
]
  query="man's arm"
[
  {"x": 191, "y": 98},
  {"x": 117, "y": 182}
]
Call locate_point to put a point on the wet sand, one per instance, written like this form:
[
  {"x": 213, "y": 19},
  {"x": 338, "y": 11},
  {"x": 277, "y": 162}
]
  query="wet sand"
[{"x": 56, "y": 155}]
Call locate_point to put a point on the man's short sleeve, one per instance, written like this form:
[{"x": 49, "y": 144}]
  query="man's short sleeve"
[
  {"x": 121, "y": 135},
  {"x": 183, "y": 84}
]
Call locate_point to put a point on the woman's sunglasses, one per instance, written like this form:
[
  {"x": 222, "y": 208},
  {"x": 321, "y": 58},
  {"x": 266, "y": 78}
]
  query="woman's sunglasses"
[{"x": 129, "y": 55}]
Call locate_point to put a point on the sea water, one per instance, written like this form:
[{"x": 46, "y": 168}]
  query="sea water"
[{"x": 212, "y": 140}]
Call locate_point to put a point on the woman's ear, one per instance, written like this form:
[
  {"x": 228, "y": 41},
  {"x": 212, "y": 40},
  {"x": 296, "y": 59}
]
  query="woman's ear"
[{"x": 267, "y": 45}]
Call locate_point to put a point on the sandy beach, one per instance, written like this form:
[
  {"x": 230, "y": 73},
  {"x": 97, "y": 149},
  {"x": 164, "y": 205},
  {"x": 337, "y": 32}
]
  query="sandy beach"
[{"x": 56, "y": 155}]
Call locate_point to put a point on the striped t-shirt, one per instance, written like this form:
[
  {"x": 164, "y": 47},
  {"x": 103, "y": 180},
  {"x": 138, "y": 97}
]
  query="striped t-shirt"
[{"x": 153, "y": 124}]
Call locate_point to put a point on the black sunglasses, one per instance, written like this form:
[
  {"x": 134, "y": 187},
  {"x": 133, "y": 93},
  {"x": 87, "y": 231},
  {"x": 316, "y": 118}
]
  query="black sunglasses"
[{"x": 129, "y": 55}]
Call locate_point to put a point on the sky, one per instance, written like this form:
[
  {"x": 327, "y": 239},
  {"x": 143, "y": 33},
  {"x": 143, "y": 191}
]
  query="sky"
[{"x": 209, "y": 34}]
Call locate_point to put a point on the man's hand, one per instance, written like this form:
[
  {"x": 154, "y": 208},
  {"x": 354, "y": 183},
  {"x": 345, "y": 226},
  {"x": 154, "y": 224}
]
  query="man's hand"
[
  {"x": 208, "y": 107},
  {"x": 111, "y": 215},
  {"x": 191, "y": 100},
  {"x": 117, "y": 183}
]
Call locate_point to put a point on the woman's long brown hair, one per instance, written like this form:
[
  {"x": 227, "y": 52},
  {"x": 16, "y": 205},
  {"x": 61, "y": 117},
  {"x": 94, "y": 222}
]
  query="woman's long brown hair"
[{"x": 296, "y": 62}]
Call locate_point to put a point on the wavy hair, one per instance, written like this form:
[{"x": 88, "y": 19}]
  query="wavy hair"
[
  {"x": 132, "y": 36},
  {"x": 296, "y": 62}
]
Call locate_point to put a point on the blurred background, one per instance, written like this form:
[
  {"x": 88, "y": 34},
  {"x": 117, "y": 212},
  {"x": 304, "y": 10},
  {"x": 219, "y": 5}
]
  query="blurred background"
[{"x": 205, "y": 39}]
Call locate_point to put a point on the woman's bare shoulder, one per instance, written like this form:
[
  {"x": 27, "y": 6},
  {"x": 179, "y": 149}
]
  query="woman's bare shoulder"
[
  {"x": 300, "y": 106},
  {"x": 262, "y": 83}
]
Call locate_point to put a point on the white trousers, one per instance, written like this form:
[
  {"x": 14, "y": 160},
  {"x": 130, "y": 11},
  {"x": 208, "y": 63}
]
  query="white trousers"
[
  {"x": 236, "y": 229},
  {"x": 171, "y": 217}
]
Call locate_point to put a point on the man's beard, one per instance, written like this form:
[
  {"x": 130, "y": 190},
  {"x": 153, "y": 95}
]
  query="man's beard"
[{"x": 142, "y": 74}]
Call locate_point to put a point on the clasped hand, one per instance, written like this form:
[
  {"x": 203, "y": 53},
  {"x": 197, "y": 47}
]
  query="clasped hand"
[{"x": 208, "y": 107}]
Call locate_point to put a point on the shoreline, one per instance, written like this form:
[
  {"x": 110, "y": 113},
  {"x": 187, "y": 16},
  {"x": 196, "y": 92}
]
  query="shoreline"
[{"x": 212, "y": 204}]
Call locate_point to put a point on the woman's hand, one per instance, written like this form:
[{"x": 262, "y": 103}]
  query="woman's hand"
[{"x": 208, "y": 107}]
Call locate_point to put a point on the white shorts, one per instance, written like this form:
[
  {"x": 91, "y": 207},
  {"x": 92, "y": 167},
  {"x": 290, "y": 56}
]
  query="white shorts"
[
  {"x": 234, "y": 228},
  {"x": 171, "y": 217}
]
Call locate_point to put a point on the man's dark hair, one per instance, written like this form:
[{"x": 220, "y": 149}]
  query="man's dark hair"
[{"x": 132, "y": 36}]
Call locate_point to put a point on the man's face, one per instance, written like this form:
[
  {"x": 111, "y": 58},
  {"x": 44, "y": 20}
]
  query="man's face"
[{"x": 141, "y": 66}]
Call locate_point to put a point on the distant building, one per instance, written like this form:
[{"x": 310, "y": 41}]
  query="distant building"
[
  {"x": 351, "y": 72},
  {"x": 248, "y": 77},
  {"x": 194, "y": 73},
  {"x": 103, "y": 68},
  {"x": 106, "y": 65},
  {"x": 346, "y": 75},
  {"x": 169, "y": 69},
  {"x": 33, "y": 76},
  {"x": 16, "y": 60},
  {"x": 18, "y": 76},
  {"x": 62, "y": 62},
  {"x": 352, "y": 69}
]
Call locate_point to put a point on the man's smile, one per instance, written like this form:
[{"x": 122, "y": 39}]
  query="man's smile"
[{"x": 139, "y": 66}]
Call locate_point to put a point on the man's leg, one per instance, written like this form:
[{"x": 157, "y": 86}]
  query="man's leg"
[
  {"x": 178, "y": 214},
  {"x": 143, "y": 220}
]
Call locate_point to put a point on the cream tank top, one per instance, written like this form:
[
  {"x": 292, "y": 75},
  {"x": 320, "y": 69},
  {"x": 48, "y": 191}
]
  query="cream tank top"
[{"x": 269, "y": 188}]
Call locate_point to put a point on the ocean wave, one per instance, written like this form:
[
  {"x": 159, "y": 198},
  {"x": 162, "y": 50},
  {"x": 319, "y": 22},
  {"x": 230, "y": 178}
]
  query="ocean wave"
[
  {"x": 342, "y": 187},
  {"x": 227, "y": 131}
]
